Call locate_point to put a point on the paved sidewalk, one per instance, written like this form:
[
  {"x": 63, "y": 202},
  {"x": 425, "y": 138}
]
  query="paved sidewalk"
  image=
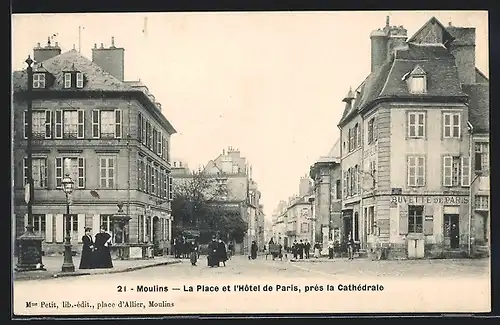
[{"x": 53, "y": 266}]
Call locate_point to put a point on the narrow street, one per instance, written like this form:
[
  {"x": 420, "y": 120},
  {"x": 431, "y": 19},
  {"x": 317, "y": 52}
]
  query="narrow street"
[{"x": 428, "y": 285}]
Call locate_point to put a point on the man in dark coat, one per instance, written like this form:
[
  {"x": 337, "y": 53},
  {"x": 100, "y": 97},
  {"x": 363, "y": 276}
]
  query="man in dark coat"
[
  {"x": 87, "y": 260},
  {"x": 213, "y": 248},
  {"x": 295, "y": 249},
  {"x": 307, "y": 248},
  {"x": 222, "y": 253},
  {"x": 102, "y": 254},
  {"x": 301, "y": 249}
]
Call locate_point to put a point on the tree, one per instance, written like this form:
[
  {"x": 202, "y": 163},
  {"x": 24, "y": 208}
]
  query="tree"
[{"x": 197, "y": 205}]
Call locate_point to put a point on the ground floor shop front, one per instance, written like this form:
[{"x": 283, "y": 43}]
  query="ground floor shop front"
[
  {"x": 139, "y": 231},
  {"x": 413, "y": 226}
]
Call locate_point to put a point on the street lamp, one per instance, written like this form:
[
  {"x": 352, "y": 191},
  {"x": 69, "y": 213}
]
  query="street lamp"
[
  {"x": 67, "y": 187},
  {"x": 28, "y": 189}
]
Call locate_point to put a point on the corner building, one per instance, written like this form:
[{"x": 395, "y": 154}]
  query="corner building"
[
  {"x": 406, "y": 143},
  {"x": 118, "y": 142}
]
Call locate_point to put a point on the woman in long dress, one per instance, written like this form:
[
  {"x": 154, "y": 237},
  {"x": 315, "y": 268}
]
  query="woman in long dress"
[
  {"x": 86, "y": 260},
  {"x": 213, "y": 249},
  {"x": 102, "y": 253},
  {"x": 254, "y": 249},
  {"x": 316, "y": 250},
  {"x": 222, "y": 252}
]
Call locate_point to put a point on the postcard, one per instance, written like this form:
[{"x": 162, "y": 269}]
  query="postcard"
[{"x": 185, "y": 163}]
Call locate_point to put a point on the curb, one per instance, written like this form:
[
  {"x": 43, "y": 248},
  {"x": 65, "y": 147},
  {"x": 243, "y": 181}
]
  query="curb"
[{"x": 73, "y": 274}]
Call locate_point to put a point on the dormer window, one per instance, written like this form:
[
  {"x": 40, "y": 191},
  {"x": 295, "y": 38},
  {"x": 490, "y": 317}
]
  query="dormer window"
[
  {"x": 416, "y": 81},
  {"x": 73, "y": 79},
  {"x": 39, "y": 80}
]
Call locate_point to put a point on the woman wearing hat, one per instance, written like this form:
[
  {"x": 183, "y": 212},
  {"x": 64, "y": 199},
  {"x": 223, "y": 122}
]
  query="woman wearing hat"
[{"x": 86, "y": 260}]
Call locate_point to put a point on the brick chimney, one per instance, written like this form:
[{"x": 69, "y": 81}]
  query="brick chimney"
[
  {"x": 41, "y": 54},
  {"x": 110, "y": 59},
  {"x": 463, "y": 48},
  {"x": 379, "y": 46},
  {"x": 397, "y": 40}
]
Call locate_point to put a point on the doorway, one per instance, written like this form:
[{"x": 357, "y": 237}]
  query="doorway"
[
  {"x": 156, "y": 236},
  {"x": 347, "y": 223},
  {"x": 452, "y": 230}
]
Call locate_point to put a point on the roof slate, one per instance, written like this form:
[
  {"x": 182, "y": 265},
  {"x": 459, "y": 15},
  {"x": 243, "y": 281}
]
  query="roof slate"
[
  {"x": 97, "y": 78},
  {"x": 479, "y": 106},
  {"x": 388, "y": 81}
]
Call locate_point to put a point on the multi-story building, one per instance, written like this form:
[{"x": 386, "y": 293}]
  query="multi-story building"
[
  {"x": 242, "y": 196},
  {"x": 326, "y": 174},
  {"x": 406, "y": 142},
  {"x": 109, "y": 135}
]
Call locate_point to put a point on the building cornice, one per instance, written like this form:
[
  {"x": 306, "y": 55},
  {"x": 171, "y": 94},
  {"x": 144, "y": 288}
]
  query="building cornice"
[
  {"x": 101, "y": 94},
  {"x": 404, "y": 99}
]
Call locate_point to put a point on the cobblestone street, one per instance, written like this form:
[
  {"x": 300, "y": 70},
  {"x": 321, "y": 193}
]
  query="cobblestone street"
[{"x": 423, "y": 281}]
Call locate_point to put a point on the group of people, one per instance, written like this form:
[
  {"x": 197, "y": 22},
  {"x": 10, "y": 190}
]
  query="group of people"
[
  {"x": 217, "y": 253},
  {"x": 95, "y": 252}
]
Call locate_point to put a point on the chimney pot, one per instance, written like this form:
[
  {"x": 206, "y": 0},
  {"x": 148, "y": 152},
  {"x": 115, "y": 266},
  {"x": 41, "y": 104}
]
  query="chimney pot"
[
  {"x": 102, "y": 45},
  {"x": 387, "y": 21},
  {"x": 112, "y": 41},
  {"x": 38, "y": 44}
]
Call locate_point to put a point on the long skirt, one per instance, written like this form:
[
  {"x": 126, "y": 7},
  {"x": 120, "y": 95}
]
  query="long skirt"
[
  {"x": 86, "y": 260},
  {"x": 316, "y": 253},
  {"x": 194, "y": 258}
]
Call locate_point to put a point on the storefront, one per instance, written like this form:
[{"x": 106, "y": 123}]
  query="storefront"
[{"x": 427, "y": 225}]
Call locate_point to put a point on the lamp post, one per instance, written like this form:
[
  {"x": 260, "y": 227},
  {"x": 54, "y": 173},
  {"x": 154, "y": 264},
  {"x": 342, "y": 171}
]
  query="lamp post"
[
  {"x": 313, "y": 219},
  {"x": 29, "y": 151},
  {"x": 67, "y": 186}
]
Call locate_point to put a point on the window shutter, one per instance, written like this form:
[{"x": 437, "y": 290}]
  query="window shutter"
[
  {"x": 360, "y": 136},
  {"x": 139, "y": 127},
  {"x": 26, "y": 220},
  {"x": 466, "y": 171},
  {"x": 170, "y": 188},
  {"x": 58, "y": 124},
  {"x": 49, "y": 225},
  {"x": 25, "y": 125},
  {"x": 96, "y": 223},
  {"x": 81, "y": 226},
  {"x": 403, "y": 219},
  {"x": 95, "y": 124},
  {"x": 59, "y": 228},
  {"x": 81, "y": 124},
  {"x": 428, "y": 220},
  {"x": 447, "y": 170},
  {"x": 48, "y": 124},
  {"x": 59, "y": 172},
  {"x": 118, "y": 123},
  {"x": 81, "y": 172}
]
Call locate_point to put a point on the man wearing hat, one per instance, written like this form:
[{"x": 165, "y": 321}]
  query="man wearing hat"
[{"x": 86, "y": 260}]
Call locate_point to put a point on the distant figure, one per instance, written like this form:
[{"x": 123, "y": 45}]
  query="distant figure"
[
  {"x": 253, "y": 250},
  {"x": 301, "y": 249},
  {"x": 222, "y": 253},
  {"x": 230, "y": 249},
  {"x": 295, "y": 249},
  {"x": 330, "y": 249},
  {"x": 307, "y": 249},
  {"x": 212, "y": 253},
  {"x": 87, "y": 258},
  {"x": 350, "y": 247},
  {"x": 194, "y": 254},
  {"x": 102, "y": 255},
  {"x": 317, "y": 248}
]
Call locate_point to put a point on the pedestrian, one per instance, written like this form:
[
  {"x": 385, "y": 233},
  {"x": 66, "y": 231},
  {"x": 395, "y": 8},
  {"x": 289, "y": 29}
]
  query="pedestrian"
[
  {"x": 212, "y": 253},
  {"x": 330, "y": 249},
  {"x": 230, "y": 250},
  {"x": 317, "y": 248},
  {"x": 222, "y": 253},
  {"x": 87, "y": 258},
  {"x": 350, "y": 247},
  {"x": 253, "y": 250},
  {"x": 194, "y": 253},
  {"x": 301, "y": 249},
  {"x": 295, "y": 250},
  {"x": 307, "y": 248},
  {"x": 102, "y": 255}
]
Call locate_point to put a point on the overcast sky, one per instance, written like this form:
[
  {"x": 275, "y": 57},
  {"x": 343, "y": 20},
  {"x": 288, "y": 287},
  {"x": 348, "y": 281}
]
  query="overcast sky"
[{"x": 268, "y": 83}]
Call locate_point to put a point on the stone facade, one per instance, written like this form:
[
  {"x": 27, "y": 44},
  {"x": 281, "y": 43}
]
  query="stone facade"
[{"x": 105, "y": 166}]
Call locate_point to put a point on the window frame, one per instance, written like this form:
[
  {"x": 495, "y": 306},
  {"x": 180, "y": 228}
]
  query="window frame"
[
  {"x": 25, "y": 170},
  {"x": 80, "y": 181},
  {"x": 67, "y": 79},
  {"x": 416, "y": 125},
  {"x": 480, "y": 207},
  {"x": 39, "y": 80},
  {"x": 107, "y": 179},
  {"x": 416, "y": 167},
  {"x": 451, "y": 126},
  {"x": 415, "y": 218}
]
